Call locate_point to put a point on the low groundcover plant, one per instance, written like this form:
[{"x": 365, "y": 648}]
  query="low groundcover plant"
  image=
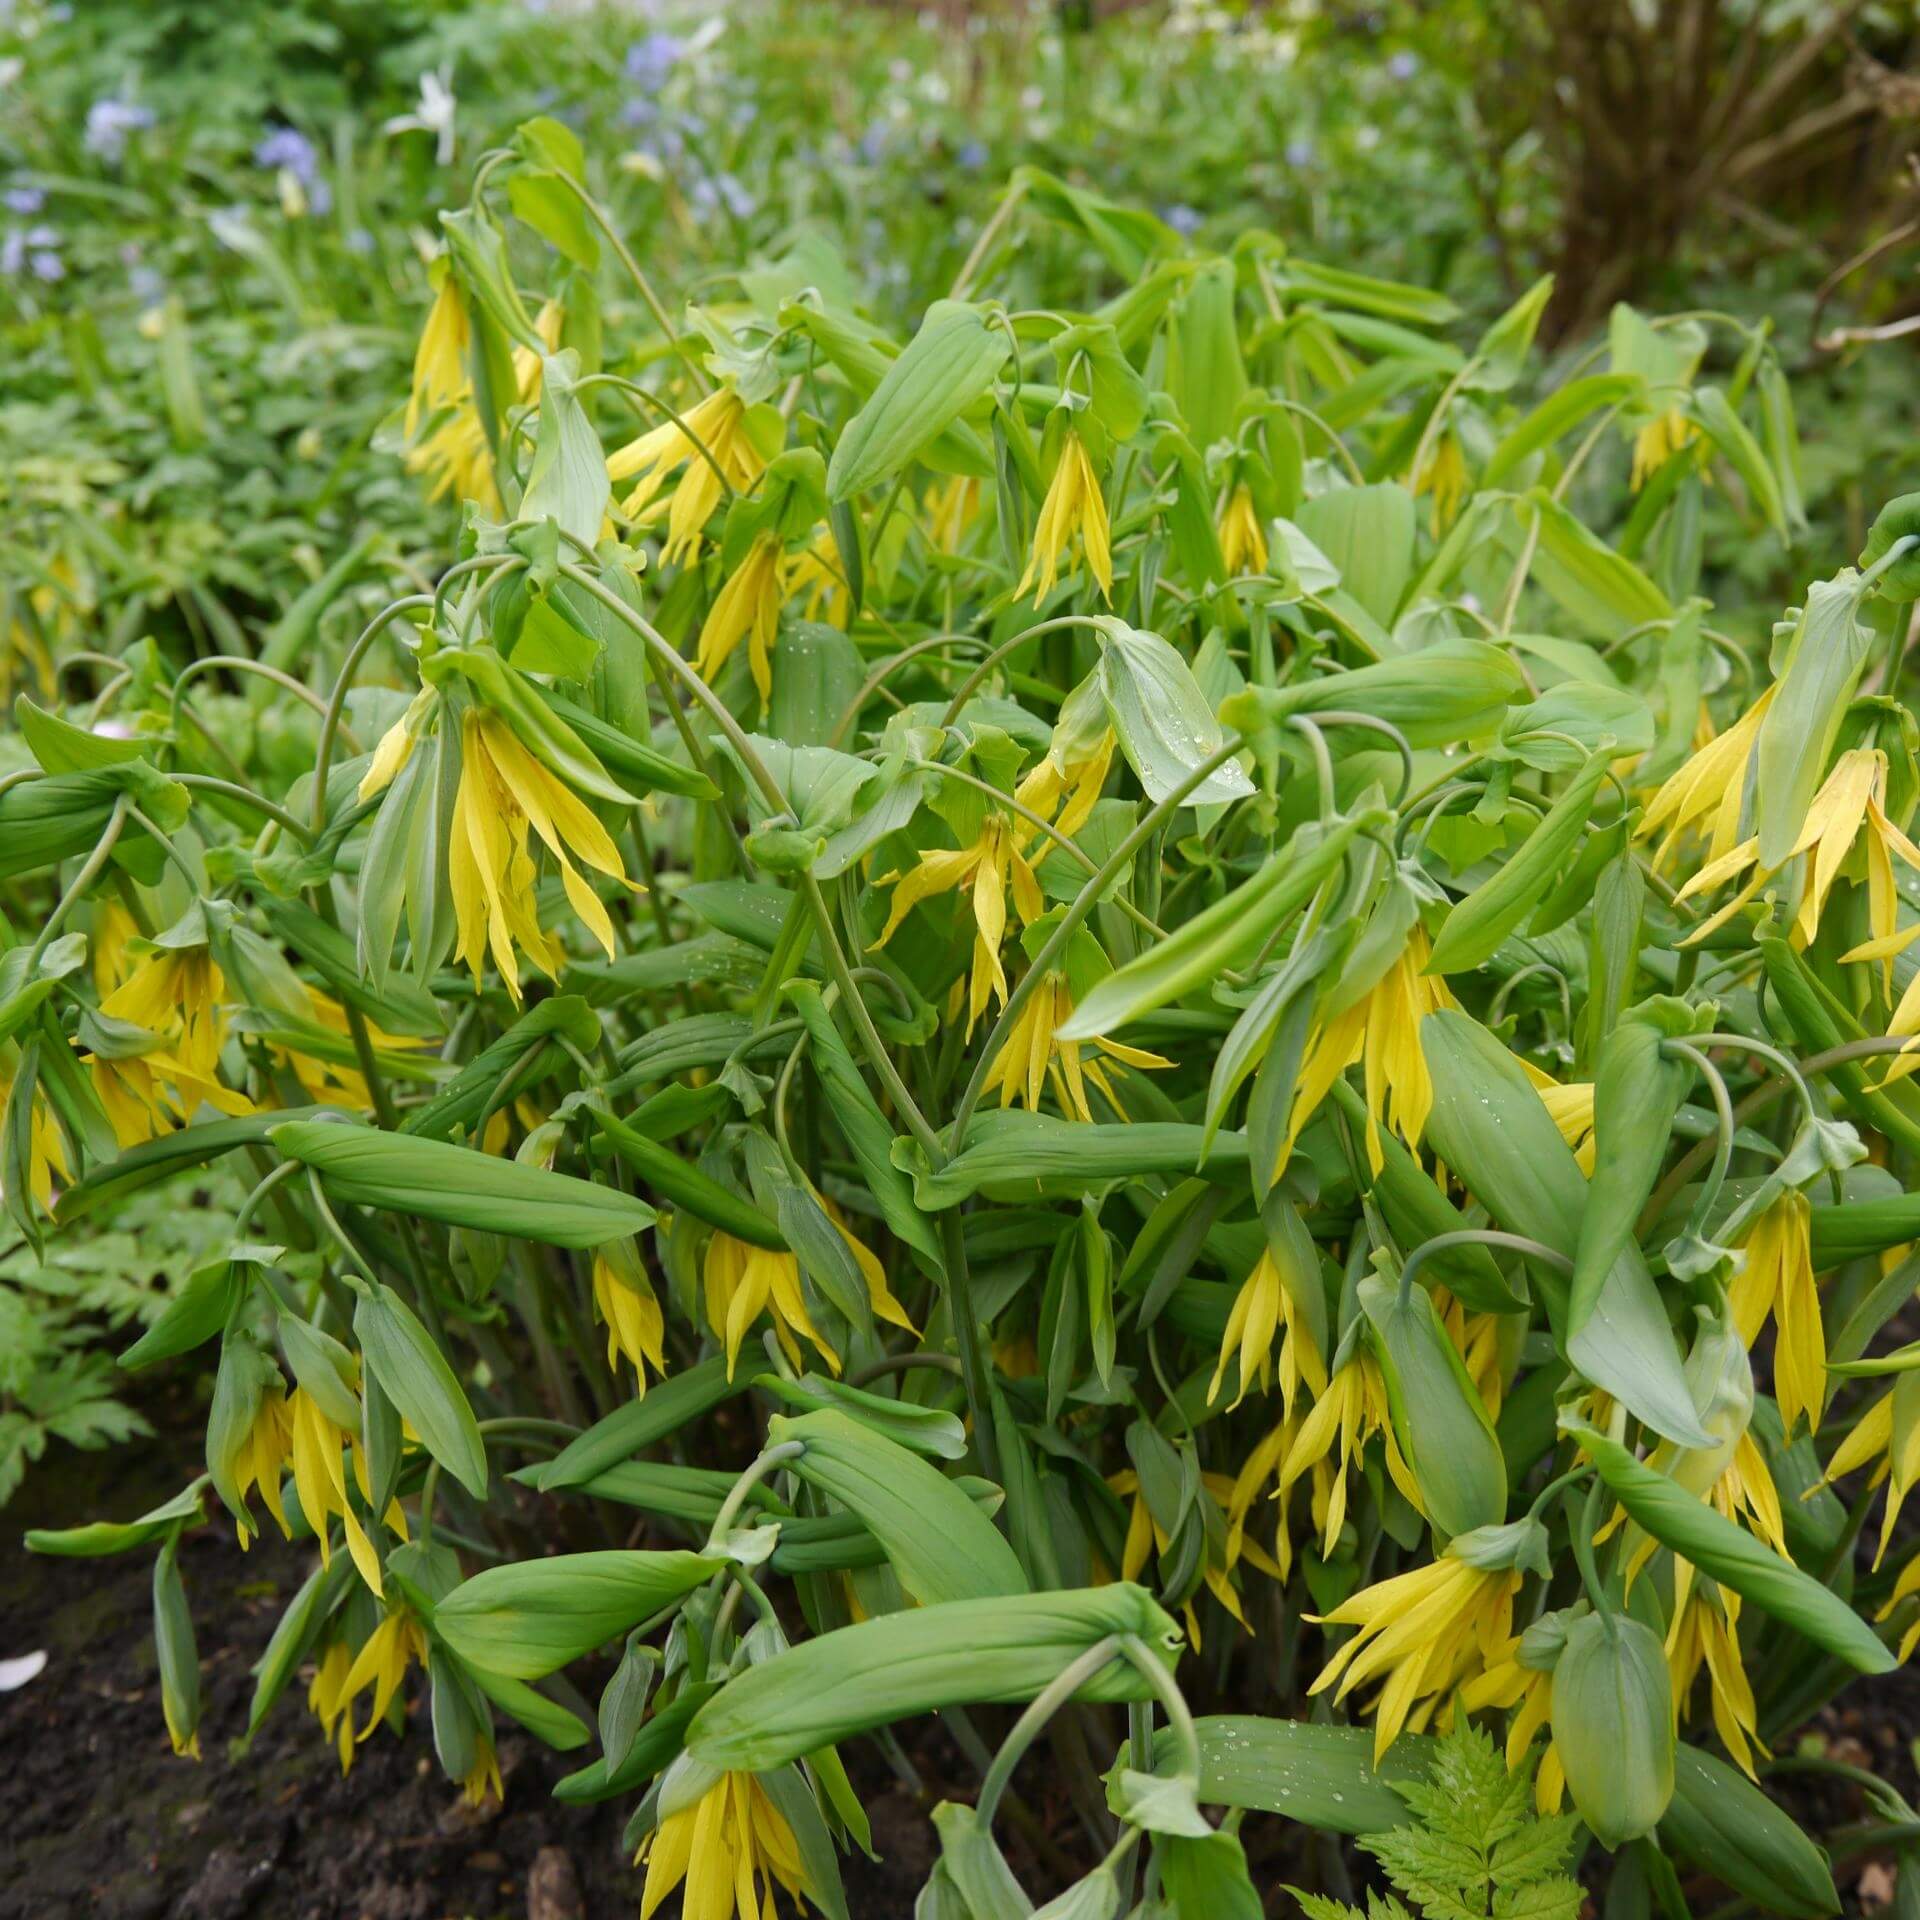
[{"x": 1161, "y": 947}]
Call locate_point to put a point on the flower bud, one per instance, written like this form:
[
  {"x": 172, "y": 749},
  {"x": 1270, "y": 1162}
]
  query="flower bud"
[{"x": 1613, "y": 1725}]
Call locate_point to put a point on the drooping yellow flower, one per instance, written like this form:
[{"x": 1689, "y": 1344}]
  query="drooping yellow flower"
[
  {"x": 717, "y": 424},
  {"x": 816, "y": 571},
  {"x": 1569, "y": 1104},
  {"x": 1851, "y": 797},
  {"x": 951, "y": 507},
  {"x": 1255, "y": 1471},
  {"x": 148, "y": 1094},
  {"x": 1034, "y": 1053},
  {"x": 440, "y": 377},
  {"x": 1381, "y": 1029},
  {"x": 1071, "y": 771},
  {"x": 1887, "y": 1435},
  {"x": 1525, "y": 1694},
  {"x": 1704, "y": 796},
  {"x": 1146, "y": 1536},
  {"x": 1352, "y": 1411},
  {"x": 177, "y": 992},
  {"x": 1074, "y": 505},
  {"x": 1263, "y": 1308},
  {"x": 396, "y": 745},
  {"x": 1904, "y": 1589},
  {"x": 626, "y": 1303},
  {"x": 327, "y": 1699},
  {"x": 504, "y": 791},
  {"x": 481, "y": 1782},
  {"x": 1776, "y": 1279},
  {"x": 1424, "y": 1634},
  {"x": 731, "y": 1848},
  {"x": 1476, "y": 1338},
  {"x": 879, "y": 1294},
  {"x": 331, "y": 1081},
  {"x": 742, "y": 1282},
  {"x": 292, "y": 1427},
  {"x": 1443, "y": 475},
  {"x": 747, "y": 608},
  {"x": 381, "y": 1664},
  {"x": 456, "y": 460},
  {"x": 984, "y": 868},
  {"x": 46, "y": 1148},
  {"x": 1243, "y": 542},
  {"x": 456, "y": 456},
  {"x": 110, "y": 945},
  {"x": 1705, "y": 1632},
  {"x": 1657, "y": 442}
]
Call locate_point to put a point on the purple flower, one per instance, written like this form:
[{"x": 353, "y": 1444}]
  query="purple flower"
[
  {"x": 972, "y": 155},
  {"x": 651, "y": 60},
  {"x": 109, "y": 121},
  {"x": 25, "y": 199},
  {"x": 874, "y": 144},
  {"x": 31, "y": 249},
  {"x": 290, "y": 148},
  {"x": 1184, "y": 220},
  {"x": 1403, "y": 66},
  {"x": 1299, "y": 153}
]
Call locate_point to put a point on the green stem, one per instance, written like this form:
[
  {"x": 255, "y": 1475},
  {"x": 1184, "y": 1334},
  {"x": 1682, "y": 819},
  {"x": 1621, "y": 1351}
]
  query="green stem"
[{"x": 89, "y": 872}]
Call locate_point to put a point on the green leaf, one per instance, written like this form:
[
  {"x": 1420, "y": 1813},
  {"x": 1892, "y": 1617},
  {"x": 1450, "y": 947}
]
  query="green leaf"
[
  {"x": 940, "y": 1544},
  {"x": 947, "y": 366},
  {"x": 530, "y": 1619},
  {"x": 1165, "y": 726},
  {"x": 1003, "y": 1650},
  {"x": 403, "y": 1356},
  {"x": 1729, "y": 1554},
  {"x": 434, "y": 1180}
]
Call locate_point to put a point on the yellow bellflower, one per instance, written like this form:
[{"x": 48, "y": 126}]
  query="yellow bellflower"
[
  {"x": 1145, "y": 1536},
  {"x": 714, "y": 435},
  {"x": 627, "y": 1305},
  {"x": 951, "y": 508},
  {"x": 1703, "y": 798},
  {"x": 1904, "y": 1589},
  {"x": 440, "y": 360},
  {"x": 504, "y": 791},
  {"x": 984, "y": 868},
  {"x": 1777, "y": 1279},
  {"x": 1034, "y": 1054},
  {"x": 1892, "y": 1448},
  {"x": 743, "y": 1281},
  {"x": 1525, "y": 1695},
  {"x": 395, "y": 1644},
  {"x": 1243, "y": 542},
  {"x": 333, "y": 1082},
  {"x": 481, "y": 1782},
  {"x": 1074, "y": 505},
  {"x": 46, "y": 1149},
  {"x": 1070, "y": 774},
  {"x": 1263, "y": 1308},
  {"x": 1382, "y": 1031},
  {"x": 815, "y": 571},
  {"x": 1423, "y": 1635},
  {"x": 1657, "y": 442},
  {"x": 1443, "y": 476},
  {"x": 1351, "y": 1412},
  {"x": 731, "y": 1849},
  {"x": 747, "y": 608},
  {"x": 1705, "y": 1632},
  {"x": 327, "y": 1699},
  {"x": 1852, "y": 797}
]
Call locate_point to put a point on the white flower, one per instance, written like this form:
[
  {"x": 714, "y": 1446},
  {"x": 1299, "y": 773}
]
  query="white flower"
[{"x": 434, "y": 114}]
